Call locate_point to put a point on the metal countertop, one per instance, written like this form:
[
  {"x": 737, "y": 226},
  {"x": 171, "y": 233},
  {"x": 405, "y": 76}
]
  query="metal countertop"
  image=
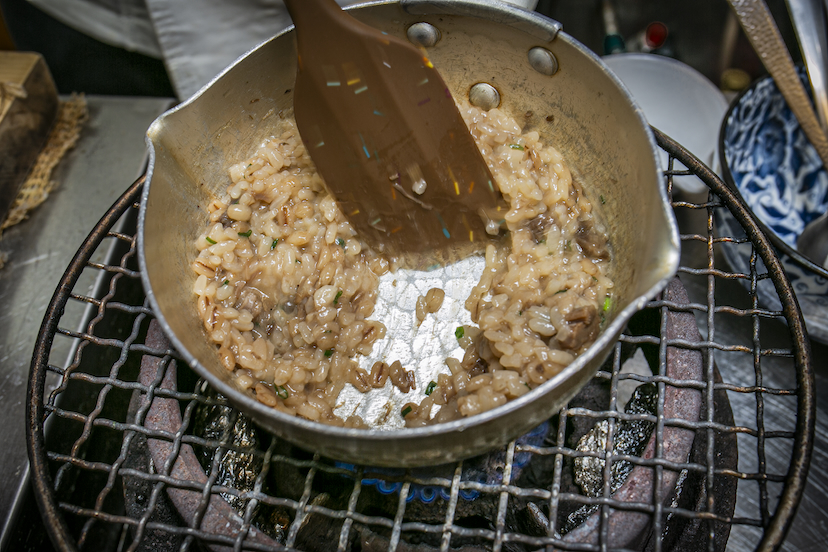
[{"x": 108, "y": 157}]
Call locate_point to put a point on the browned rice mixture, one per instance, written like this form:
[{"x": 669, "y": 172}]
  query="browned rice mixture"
[{"x": 285, "y": 288}]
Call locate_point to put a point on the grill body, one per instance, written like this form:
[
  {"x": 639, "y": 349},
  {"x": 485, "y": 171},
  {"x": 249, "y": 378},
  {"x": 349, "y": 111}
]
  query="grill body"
[{"x": 97, "y": 489}]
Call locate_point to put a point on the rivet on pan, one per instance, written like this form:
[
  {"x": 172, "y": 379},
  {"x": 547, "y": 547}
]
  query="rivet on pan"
[
  {"x": 423, "y": 34},
  {"x": 543, "y": 61},
  {"x": 484, "y": 95}
]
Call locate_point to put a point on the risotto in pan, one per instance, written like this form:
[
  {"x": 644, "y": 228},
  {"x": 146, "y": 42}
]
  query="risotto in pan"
[{"x": 286, "y": 289}]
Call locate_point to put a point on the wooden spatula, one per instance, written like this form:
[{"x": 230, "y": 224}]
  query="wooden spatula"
[{"x": 387, "y": 138}]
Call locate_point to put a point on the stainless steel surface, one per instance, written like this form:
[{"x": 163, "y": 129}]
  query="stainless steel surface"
[
  {"x": 109, "y": 155},
  {"x": 808, "y": 18},
  {"x": 582, "y": 110}
]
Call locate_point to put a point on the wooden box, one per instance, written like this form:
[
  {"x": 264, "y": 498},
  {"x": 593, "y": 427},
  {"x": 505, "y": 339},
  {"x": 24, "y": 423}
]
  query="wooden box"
[{"x": 28, "y": 108}]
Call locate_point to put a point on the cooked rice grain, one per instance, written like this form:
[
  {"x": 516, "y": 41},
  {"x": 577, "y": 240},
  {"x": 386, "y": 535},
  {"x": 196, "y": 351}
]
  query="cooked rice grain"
[{"x": 285, "y": 288}]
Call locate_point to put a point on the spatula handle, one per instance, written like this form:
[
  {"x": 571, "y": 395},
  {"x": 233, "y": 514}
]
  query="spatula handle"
[{"x": 307, "y": 15}]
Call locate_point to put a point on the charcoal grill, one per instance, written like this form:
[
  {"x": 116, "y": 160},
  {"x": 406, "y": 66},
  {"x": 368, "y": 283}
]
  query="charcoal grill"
[{"x": 95, "y": 432}]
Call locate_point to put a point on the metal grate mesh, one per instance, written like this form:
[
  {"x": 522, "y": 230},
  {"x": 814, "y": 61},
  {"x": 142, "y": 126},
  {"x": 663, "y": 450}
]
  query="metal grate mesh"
[{"x": 114, "y": 444}]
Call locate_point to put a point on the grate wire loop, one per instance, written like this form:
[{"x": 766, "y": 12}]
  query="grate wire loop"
[{"x": 111, "y": 428}]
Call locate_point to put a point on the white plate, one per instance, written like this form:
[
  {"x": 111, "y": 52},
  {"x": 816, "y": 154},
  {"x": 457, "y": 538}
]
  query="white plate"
[{"x": 677, "y": 100}]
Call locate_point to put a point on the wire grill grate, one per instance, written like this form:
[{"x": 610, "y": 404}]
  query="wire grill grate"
[{"x": 111, "y": 421}]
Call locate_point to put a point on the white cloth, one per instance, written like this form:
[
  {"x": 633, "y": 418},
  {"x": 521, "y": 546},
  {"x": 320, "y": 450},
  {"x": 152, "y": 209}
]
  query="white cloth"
[
  {"x": 200, "y": 39},
  {"x": 122, "y": 23},
  {"x": 197, "y": 39}
]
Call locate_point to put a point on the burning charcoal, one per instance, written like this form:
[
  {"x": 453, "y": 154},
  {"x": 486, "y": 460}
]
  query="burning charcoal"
[
  {"x": 238, "y": 465},
  {"x": 577, "y": 517},
  {"x": 138, "y": 490},
  {"x": 274, "y": 521},
  {"x": 631, "y": 438},
  {"x": 318, "y": 531},
  {"x": 429, "y": 503},
  {"x": 532, "y": 520},
  {"x": 237, "y": 468},
  {"x": 370, "y": 541}
]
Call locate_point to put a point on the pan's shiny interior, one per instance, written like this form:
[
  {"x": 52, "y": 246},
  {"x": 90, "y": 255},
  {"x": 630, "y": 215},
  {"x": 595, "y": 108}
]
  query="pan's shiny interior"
[{"x": 581, "y": 109}]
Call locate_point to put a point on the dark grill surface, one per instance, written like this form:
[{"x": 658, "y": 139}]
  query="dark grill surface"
[{"x": 129, "y": 451}]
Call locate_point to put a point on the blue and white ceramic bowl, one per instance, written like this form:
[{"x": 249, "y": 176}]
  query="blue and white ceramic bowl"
[{"x": 768, "y": 160}]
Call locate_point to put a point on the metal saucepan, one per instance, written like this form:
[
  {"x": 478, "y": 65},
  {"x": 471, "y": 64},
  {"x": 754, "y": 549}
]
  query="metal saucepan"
[{"x": 542, "y": 75}]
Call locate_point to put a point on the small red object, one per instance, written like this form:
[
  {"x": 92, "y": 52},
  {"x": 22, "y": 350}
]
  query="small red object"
[{"x": 656, "y": 35}]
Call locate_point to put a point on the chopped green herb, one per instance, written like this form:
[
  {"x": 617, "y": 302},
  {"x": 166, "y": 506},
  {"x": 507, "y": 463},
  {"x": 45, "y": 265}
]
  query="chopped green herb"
[
  {"x": 569, "y": 245},
  {"x": 603, "y": 201},
  {"x": 210, "y": 240},
  {"x": 594, "y": 279},
  {"x": 607, "y": 303},
  {"x": 299, "y": 261},
  {"x": 340, "y": 242},
  {"x": 246, "y": 234},
  {"x": 327, "y": 331},
  {"x": 406, "y": 411},
  {"x": 338, "y": 295},
  {"x": 543, "y": 241},
  {"x": 516, "y": 146},
  {"x": 520, "y": 313},
  {"x": 459, "y": 332},
  {"x": 273, "y": 245},
  {"x": 527, "y": 385},
  {"x": 249, "y": 165},
  {"x": 328, "y": 353},
  {"x": 224, "y": 283},
  {"x": 282, "y": 391},
  {"x": 430, "y": 388},
  {"x": 564, "y": 290}
]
